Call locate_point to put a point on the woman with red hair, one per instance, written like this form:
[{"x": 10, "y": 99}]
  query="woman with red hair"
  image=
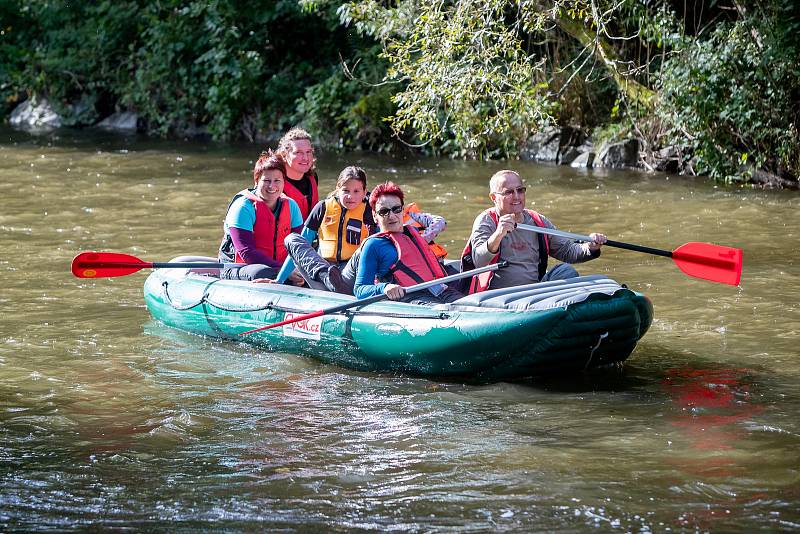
[{"x": 398, "y": 257}]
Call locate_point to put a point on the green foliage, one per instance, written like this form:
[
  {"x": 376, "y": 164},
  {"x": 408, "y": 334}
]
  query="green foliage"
[
  {"x": 479, "y": 76},
  {"x": 733, "y": 98},
  {"x": 347, "y": 112},
  {"x": 59, "y": 51},
  {"x": 466, "y": 83},
  {"x": 236, "y": 68},
  {"x": 468, "y": 78}
]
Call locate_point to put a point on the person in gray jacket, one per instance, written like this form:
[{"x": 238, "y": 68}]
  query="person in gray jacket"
[{"x": 495, "y": 237}]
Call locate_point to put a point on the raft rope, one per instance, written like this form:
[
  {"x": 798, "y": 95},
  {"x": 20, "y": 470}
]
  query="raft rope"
[
  {"x": 270, "y": 307},
  {"x": 591, "y": 354}
]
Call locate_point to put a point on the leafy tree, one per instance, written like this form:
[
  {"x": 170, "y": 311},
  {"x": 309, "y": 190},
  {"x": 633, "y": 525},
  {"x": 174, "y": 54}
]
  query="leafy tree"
[
  {"x": 62, "y": 51},
  {"x": 732, "y": 98},
  {"x": 235, "y": 68},
  {"x": 486, "y": 73}
]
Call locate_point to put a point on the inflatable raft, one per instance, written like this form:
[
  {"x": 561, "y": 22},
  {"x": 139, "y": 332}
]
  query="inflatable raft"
[{"x": 498, "y": 335}]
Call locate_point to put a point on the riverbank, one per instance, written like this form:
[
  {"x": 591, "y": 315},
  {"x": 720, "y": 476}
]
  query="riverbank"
[
  {"x": 575, "y": 148},
  {"x": 562, "y": 146}
]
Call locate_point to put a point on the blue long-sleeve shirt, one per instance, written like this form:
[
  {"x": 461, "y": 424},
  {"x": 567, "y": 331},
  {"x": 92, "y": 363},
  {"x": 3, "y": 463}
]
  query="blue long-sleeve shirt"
[{"x": 377, "y": 256}]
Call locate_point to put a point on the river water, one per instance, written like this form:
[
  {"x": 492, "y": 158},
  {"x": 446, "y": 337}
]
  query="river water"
[{"x": 109, "y": 420}]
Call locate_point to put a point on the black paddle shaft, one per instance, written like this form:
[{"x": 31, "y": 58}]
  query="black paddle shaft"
[
  {"x": 639, "y": 248},
  {"x": 586, "y": 238}
]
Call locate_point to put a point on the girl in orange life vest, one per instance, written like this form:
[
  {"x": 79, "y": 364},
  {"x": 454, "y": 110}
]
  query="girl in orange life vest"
[
  {"x": 397, "y": 255},
  {"x": 342, "y": 222},
  {"x": 257, "y": 222},
  {"x": 302, "y": 183}
]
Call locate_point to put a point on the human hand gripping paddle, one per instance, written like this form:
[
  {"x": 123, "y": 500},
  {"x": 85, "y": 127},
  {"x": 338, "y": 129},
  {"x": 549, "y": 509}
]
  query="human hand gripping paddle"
[
  {"x": 106, "y": 264},
  {"x": 701, "y": 260},
  {"x": 378, "y": 298}
]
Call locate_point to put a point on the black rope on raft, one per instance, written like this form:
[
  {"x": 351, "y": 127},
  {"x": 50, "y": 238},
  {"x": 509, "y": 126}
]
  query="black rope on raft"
[
  {"x": 205, "y": 299},
  {"x": 440, "y": 316}
]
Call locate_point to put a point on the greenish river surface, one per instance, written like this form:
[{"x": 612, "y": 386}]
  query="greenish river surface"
[{"x": 109, "y": 420}]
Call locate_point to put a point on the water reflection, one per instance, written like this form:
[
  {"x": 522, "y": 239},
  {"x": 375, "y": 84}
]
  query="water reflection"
[{"x": 710, "y": 407}]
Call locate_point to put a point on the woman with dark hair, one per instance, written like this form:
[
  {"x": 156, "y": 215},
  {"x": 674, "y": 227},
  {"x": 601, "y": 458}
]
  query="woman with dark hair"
[
  {"x": 397, "y": 256},
  {"x": 257, "y": 222}
]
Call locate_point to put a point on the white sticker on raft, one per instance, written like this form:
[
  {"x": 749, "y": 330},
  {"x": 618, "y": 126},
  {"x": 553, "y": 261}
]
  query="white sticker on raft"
[{"x": 305, "y": 329}]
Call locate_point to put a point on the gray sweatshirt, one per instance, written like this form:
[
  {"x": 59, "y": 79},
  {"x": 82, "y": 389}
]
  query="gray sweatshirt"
[{"x": 521, "y": 249}]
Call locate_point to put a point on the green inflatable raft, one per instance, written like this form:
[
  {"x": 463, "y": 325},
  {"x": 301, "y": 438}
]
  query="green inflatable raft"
[{"x": 499, "y": 335}]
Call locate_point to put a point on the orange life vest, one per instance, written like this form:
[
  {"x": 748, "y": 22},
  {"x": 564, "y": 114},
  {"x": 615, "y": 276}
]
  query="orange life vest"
[
  {"x": 480, "y": 282},
  {"x": 269, "y": 229},
  {"x": 438, "y": 250},
  {"x": 341, "y": 231}
]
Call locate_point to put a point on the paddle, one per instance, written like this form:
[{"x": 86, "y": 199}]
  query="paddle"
[
  {"x": 106, "y": 264},
  {"x": 701, "y": 260},
  {"x": 377, "y": 298}
]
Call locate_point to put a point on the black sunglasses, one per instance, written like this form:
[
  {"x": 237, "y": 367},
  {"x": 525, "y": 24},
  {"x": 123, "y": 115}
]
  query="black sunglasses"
[
  {"x": 383, "y": 212},
  {"x": 508, "y": 192}
]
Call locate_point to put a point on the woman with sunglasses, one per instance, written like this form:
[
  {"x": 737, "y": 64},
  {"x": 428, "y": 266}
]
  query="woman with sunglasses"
[
  {"x": 495, "y": 237},
  {"x": 398, "y": 257}
]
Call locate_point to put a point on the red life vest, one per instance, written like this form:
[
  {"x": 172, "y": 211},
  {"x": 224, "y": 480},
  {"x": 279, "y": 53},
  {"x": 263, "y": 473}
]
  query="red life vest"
[
  {"x": 415, "y": 263},
  {"x": 269, "y": 229},
  {"x": 305, "y": 202},
  {"x": 480, "y": 282}
]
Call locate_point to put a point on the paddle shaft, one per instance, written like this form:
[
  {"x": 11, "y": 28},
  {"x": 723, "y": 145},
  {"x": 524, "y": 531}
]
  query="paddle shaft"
[
  {"x": 609, "y": 243},
  {"x": 711, "y": 256},
  {"x": 414, "y": 288},
  {"x": 382, "y": 296},
  {"x": 154, "y": 265}
]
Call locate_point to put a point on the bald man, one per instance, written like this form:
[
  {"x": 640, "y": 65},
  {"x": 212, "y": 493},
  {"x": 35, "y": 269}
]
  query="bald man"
[{"x": 495, "y": 237}]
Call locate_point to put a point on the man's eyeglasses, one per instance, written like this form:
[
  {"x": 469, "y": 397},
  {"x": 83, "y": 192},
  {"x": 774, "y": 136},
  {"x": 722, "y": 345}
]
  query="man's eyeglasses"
[
  {"x": 383, "y": 212},
  {"x": 508, "y": 192}
]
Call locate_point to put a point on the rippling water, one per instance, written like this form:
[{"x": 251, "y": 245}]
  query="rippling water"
[{"x": 110, "y": 420}]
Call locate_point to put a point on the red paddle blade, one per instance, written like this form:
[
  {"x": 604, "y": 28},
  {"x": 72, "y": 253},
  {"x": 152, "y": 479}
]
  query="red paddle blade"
[
  {"x": 105, "y": 264},
  {"x": 710, "y": 262}
]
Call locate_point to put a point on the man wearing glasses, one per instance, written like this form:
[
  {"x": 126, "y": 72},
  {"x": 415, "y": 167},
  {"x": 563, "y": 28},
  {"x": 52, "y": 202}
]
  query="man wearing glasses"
[{"x": 495, "y": 237}]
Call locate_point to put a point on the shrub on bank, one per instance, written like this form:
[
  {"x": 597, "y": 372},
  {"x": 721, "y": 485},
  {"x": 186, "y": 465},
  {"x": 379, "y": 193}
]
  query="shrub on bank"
[{"x": 733, "y": 98}]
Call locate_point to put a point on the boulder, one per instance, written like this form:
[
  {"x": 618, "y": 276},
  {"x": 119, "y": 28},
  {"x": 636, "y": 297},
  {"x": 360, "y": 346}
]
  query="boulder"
[
  {"x": 542, "y": 146},
  {"x": 584, "y": 160},
  {"x": 572, "y": 136},
  {"x": 35, "y": 114},
  {"x": 618, "y": 155},
  {"x": 80, "y": 113},
  {"x": 769, "y": 179},
  {"x": 668, "y": 159},
  {"x": 572, "y": 152},
  {"x": 122, "y": 121},
  {"x": 568, "y": 155}
]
